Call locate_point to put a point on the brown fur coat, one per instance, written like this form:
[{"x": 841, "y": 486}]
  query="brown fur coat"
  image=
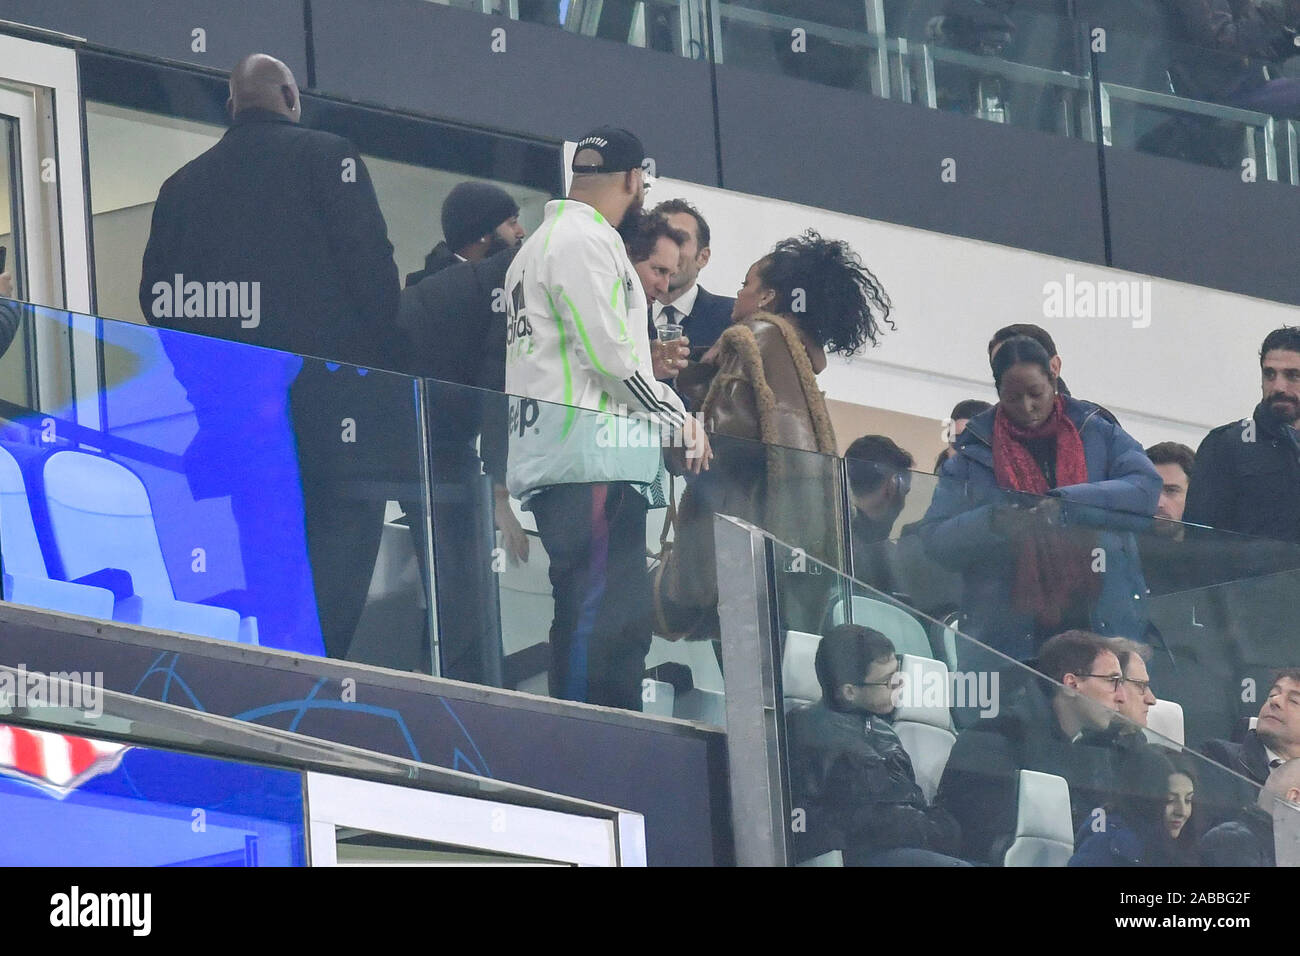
[{"x": 772, "y": 440}]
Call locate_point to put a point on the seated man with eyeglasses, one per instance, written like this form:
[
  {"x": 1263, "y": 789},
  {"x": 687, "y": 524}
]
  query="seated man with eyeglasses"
[
  {"x": 1071, "y": 727},
  {"x": 1139, "y": 698},
  {"x": 849, "y": 772}
]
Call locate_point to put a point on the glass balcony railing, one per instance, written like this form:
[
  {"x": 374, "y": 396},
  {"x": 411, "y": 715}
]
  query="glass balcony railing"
[
  {"x": 1205, "y": 601},
  {"x": 254, "y": 496},
  {"x": 108, "y": 779},
  {"x": 670, "y": 26},
  {"x": 1024, "y": 73},
  {"x": 969, "y": 756},
  {"x": 1147, "y": 78}
]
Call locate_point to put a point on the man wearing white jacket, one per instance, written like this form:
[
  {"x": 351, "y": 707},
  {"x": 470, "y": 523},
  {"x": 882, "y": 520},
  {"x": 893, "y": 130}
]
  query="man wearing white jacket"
[{"x": 577, "y": 339}]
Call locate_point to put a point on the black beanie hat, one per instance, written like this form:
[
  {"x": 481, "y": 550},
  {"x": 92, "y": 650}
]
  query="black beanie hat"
[{"x": 472, "y": 210}]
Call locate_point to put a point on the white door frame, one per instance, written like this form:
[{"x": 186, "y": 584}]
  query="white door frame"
[
  {"x": 45, "y": 77},
  {"x": 479, "y": 823},
  {"x": 51, "y": 73}
]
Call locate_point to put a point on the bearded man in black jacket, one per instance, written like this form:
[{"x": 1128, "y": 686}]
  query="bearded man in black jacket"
[{"x": 1247, "y": 473}]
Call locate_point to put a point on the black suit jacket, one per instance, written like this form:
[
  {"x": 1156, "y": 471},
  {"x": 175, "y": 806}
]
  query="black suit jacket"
[
  {"x": 1247, "y": 758},
  {"x": 710, "y": 317},
  {"x": 293, "y": 210}
]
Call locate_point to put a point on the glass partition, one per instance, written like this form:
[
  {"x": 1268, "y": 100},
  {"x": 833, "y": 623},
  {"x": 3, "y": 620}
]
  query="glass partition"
[
  {"x": 1161, "y": 95},
  {"x": 985, "y": 759},
  {"x": 1160, "y": 83},
  {"x": 670, "y": 26},
  {"x": 518, "y": 532},
  {"x": 265, "y": 498},
  {"x": 92, "y": 777},
  {"x": 261, "y": 497},
  {"x": 1021, "y": 68},
  {"x": 219, "y": 489},
  {"x": 1202, "y": 600}
]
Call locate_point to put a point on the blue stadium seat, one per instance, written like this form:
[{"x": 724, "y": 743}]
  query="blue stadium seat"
[
  {"x": 26, "y": 578},
  {"x": 101, "y": 521}
]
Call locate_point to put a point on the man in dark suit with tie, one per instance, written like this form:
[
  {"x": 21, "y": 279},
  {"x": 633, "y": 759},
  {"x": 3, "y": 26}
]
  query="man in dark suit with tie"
[
  {"x": 1276, "y": 737},
  {"x": 702, "y": 315}
]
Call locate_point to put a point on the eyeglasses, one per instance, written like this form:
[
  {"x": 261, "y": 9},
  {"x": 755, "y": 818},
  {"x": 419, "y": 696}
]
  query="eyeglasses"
[
  {"x": 1113, "y": 679},
  {"x": 1143, "y": 687},
  {"x": 894, "y": 680}
]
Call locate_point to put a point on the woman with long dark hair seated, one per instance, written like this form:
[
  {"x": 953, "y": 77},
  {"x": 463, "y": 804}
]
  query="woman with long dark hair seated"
[
  {"x": 1156, "y": 829},
  {"x": 757, "y": 393},
  {"x": 1037, "y": 509}
]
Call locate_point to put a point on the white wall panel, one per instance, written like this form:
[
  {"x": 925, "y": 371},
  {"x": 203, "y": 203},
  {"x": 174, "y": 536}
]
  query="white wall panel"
[{"x": 1192, "y": 367}]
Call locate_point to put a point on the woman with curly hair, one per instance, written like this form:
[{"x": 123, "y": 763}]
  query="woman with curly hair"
[{"x": 756, "y": 391}]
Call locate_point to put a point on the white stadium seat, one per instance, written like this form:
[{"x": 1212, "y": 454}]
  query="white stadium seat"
[
  {"x": 799, "y": 671},
  {"x": 924, "y": 724},
  {"x": 904, "y": 631},
  {"x": 1044, "y": 827},
  {"x": 1165, "y": 724}
]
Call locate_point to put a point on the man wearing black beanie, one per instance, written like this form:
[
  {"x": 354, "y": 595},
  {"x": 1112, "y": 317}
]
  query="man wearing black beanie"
[{"x": 478, "y": 220}]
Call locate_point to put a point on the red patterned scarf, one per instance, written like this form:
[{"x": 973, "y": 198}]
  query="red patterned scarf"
[{"x": 1054, "y": 567}]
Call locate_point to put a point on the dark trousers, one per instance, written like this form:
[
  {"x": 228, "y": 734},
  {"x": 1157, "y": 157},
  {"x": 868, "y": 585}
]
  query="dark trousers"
[
  {"x": 346, "y": 484},
  {"x": 594, "y": 535},
  {"x": 343, "y": 532}
]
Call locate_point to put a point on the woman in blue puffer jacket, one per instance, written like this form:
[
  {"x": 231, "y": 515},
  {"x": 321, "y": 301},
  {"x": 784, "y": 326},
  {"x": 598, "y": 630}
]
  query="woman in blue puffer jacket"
[{"x": 1038, "y": 508}]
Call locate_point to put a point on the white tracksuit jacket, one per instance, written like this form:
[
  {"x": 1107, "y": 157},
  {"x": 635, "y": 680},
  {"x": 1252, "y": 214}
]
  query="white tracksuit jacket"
[{"x": 577, "y": 339}]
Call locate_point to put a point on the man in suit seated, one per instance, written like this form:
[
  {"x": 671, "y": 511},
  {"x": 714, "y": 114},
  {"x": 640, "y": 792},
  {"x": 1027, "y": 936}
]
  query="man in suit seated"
[
  {"x": 849, "y": 771},
  {"x": 702, "y": 315},
  {"x": 1276, "y": 737}
]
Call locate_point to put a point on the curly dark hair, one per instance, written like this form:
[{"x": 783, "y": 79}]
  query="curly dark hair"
[{"x": 833, "y": 296}]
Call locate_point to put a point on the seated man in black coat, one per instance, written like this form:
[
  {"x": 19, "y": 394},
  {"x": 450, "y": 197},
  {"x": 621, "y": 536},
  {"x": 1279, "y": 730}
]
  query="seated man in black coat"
[
  {"x": 1276, "y": 737},
  {"x": 1224, "y": 47},
  {"x": 1248, "y": 840},
  {"x": 849, "y": 771},
  {"x": 1070, "y": 728}
]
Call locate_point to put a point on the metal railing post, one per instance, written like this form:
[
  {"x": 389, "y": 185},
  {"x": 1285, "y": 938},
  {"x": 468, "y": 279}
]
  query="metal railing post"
[{"x": 751, "y": 667}]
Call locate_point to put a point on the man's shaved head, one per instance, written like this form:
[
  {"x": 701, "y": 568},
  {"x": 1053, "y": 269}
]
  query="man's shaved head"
[{"x": 259, "y": 81}]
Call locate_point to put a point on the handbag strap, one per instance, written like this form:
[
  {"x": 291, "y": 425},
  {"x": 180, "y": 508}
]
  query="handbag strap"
[{"x": 670, "y": 519}]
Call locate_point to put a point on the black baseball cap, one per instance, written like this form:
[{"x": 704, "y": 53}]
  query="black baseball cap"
[{"x": 619, "y": 151}]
